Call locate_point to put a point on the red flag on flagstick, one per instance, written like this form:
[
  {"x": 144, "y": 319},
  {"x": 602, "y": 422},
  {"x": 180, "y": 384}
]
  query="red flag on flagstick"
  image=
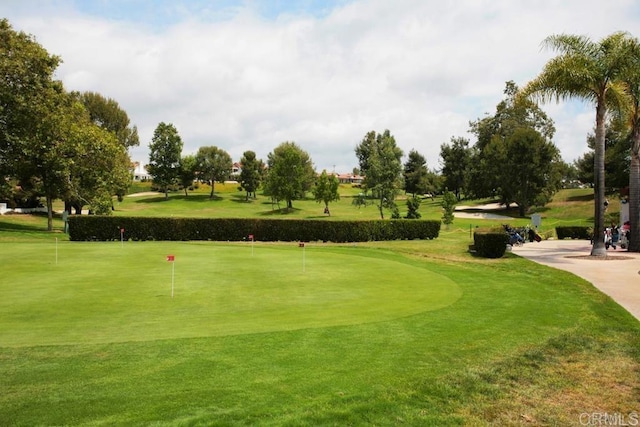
[
  {"x": 171, "y": 258},
  {"x": 301, "y": 244},
  {"x": 251, "y": 237}
]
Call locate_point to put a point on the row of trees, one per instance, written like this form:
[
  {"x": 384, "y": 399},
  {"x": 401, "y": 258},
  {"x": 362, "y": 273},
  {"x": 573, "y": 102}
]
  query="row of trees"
[
  {"x": 54, "y": 143},
  {"x": 289, "y": 173}
]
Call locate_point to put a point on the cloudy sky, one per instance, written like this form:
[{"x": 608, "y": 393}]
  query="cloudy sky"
[{"x": 250, "y": 74}]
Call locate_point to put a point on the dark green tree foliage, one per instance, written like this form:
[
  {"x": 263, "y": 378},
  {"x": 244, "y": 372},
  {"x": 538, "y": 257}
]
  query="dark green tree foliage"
[
  {"x": 214, "y": 164},
  {"x": 513, "y": 113},
  {"x": 416, "y": 174},
  {"x": 456, "y": 162},
  {"x": 616, "y": 158},
  {"x": 28, "y": 98},
  {"x": 106, "y": 113},
  {"x": 290, "y": 173},
  {"x": 251, "y": 173},
  {"x": 413, "y": 204},
  {"x": 380, "y": 162},
  {"x": 188, "y": 167},
  {"x": 530, "y": 168},
  {"x": 164, "y": 156},
  {"x": 326, "y": 190}
]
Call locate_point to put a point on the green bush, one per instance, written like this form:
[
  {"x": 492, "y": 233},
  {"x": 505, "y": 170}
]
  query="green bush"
[
  {"x": 105, "y": 228},
  {"x": 574, "y": 232},
  {"x": 490, "y": 243}
]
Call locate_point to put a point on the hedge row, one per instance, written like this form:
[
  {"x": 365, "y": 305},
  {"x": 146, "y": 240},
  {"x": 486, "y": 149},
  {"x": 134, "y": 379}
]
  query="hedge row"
[
  {"x": 105, "y": 228},
  {"x": 575, "y": 232},
  {"x": 490, "y": 244}
]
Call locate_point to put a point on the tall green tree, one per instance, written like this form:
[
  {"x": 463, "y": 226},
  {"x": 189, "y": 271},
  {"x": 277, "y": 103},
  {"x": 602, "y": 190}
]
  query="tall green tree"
[
  {"x": 590, "y": 71},
  {"x": 290, "y": 173},
  {"x": 28, "y": 99},
  {"x": 251, "y": 173},
  {"x": 416, "y": 174},
  {"x": 326, "y": 190},
  {"x": 214, "y": 164},
  {"x": 165, "y": 150},
  {"x": 456, "y": 161},
  {"x": 380, "y": 161}
]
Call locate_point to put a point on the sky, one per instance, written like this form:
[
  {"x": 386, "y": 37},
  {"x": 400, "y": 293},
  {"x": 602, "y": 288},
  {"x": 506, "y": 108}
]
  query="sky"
[{"x": 251, "y": 74}]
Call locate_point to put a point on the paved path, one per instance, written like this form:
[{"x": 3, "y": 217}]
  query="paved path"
[{"x": 618, "y": 277}]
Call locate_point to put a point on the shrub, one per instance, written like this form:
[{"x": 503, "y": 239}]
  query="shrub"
[
  {"x": 574, "y": 232},
  {"x": 104, "y": 228},
  {"x": 490, "y": 243}
]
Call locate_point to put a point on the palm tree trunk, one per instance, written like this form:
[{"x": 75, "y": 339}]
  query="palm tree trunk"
[
  {"x": 598, "y": 248},
  {"x": 634, "y": 194}
]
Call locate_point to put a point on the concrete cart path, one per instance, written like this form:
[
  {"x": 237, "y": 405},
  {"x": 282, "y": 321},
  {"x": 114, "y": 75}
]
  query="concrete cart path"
[{"x": 618, "y": 277}]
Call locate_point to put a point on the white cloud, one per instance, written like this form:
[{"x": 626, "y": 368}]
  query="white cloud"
[{"x": 422, "y": 69}]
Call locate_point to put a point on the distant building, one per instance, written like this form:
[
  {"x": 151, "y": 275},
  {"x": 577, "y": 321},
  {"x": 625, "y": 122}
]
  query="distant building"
[
  {"x": 349, "y": 178},
  {"x": 140, "y": 172}
]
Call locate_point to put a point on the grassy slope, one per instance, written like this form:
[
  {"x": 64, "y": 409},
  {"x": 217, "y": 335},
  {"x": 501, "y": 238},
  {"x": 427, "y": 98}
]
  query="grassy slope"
[{"x": 525, "y": 343}]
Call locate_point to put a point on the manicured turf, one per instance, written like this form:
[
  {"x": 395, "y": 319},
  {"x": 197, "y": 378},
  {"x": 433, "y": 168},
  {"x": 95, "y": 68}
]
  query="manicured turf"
[
  {"x": 113, "y": 292},
  {"x": 379, "y": 333}
]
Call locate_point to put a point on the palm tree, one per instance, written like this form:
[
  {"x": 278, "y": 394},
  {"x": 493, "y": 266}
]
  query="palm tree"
[
  {"x": 589, "y": 71},
  {"x": 632, "y": 80}
]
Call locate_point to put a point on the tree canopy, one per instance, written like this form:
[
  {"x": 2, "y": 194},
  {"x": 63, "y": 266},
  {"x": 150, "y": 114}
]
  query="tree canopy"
[
  {"x": 290, "y": 173},
  {"x": 213, "y": 164},
  {"x": 251, "y": 173},
  {"x": 326, "y": 190},
  {"x": 380, "y": 161},
  {"x": 164, "y": 156}
]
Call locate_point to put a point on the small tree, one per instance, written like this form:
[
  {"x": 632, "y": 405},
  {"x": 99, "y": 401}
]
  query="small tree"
[
  {"x": 214, "y": 164},
  {"x": 188, "y": 165},
  {"x": 449, "y": 201},
  {"x": 416, "y": 174},
  {"x": 251, "y": 173},
  {"x": 413, "y": 204},
  {"x": 326, "y": 190}
]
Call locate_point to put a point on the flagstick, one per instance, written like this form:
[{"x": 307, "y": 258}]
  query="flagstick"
[
  {"x": 173, "y": 270},
  {"x": 56, "y": 251},
  {"x": 303, "y": 260}
]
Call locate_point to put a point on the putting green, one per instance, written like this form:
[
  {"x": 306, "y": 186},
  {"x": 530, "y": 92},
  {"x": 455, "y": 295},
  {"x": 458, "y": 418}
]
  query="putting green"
[{"x": 108, "y": 292}]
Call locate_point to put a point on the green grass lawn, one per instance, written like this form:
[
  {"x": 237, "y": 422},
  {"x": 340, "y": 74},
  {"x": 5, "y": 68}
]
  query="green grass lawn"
[{"x": 378, "y": 333}]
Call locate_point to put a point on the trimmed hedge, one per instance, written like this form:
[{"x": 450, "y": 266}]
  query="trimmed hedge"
[
  {"x": 574, "y": 232},
  {"x": 105, "y": 228},
  {"x": 490, "y": 244}
]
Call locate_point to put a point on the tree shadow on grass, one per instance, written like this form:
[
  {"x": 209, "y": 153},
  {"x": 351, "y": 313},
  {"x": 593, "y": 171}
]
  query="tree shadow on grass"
[
  {"x": 193, "y": 198},
  {"x": 281, "y": 211},
  {"x": 580, "y": 198},
  {"x": 240, "y": 198}
]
